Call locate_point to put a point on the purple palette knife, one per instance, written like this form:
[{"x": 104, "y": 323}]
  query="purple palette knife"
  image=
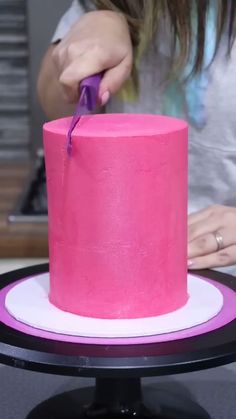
[{"x": 87, "y": 103}]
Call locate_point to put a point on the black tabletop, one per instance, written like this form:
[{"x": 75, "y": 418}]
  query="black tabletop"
[{"x": 208, "y": 350}]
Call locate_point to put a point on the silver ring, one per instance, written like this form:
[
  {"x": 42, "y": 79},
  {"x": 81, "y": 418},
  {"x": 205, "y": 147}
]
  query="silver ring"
[{"x": 219, "y": 240}]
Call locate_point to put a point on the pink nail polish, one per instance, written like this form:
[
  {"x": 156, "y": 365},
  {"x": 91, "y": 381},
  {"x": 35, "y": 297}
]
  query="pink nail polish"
[
  {"x": 190, "y": 263},
  {"x": 105, "y": 97}
]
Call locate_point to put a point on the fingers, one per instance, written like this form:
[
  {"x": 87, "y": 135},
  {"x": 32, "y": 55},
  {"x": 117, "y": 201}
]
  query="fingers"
[
  {"x": 114, "y": 78},
  {"x": 98, "y": 42},
  {"x": 209, "y": 220},
  {"x": 84, "y": 65},
  {"x": 81, "y": 68},
  {"x": 224, "y": 257},
  {"x": 203, "y": 251},
  {"x": 195, "y": 217},
  {"x": 202, "y": 245},
  {"x": 211, "y": 211},
  {"x": 203, "y": 227},
  {"x": 207, "y": 243},
  {"x": 70, "y": 80}
]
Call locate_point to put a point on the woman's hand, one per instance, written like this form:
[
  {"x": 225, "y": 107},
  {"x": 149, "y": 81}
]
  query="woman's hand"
[
  {"x": 212, "y": 237},
  {"x": 98, "y": 42}
]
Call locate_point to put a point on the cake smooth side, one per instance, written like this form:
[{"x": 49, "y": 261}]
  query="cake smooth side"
[{"x": 118, "y": 216}]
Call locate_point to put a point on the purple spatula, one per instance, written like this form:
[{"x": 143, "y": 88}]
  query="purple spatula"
[{"x": 87, "y": 103}]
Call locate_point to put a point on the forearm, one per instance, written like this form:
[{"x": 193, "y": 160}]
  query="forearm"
[{"x": 50, "y": 91}]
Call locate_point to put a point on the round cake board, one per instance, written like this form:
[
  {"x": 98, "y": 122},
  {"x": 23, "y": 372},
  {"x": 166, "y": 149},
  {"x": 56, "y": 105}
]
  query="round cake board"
[
  {"x": 226, "y": 314},
  {"x": 28, "y": 302}
]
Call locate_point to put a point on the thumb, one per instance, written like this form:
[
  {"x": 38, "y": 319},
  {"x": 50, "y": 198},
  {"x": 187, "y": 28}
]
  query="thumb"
[{"x": 114, "y": 79}]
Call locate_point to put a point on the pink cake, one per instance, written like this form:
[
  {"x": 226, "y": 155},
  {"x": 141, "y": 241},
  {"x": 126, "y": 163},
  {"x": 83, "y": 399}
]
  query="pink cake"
[{"x": 118, "y": 215}]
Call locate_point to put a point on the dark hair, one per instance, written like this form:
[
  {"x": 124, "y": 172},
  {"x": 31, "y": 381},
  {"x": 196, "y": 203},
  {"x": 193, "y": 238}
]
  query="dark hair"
[{"x": 144, "y": 16}]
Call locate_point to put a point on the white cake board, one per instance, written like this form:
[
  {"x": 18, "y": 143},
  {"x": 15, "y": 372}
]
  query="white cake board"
[{"x": 28, "y": 303}]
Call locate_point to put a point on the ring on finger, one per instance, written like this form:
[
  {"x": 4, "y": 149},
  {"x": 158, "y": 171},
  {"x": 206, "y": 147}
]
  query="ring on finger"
[{"x": 219, "y": 240}]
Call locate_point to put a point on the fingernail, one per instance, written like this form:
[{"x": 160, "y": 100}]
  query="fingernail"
[
  {"x": 190, "y": 263},
  {"x": 105, "y": 97}
]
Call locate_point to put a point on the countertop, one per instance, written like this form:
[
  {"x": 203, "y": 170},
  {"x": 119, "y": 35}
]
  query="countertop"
[{"x": 10, "y": 264}]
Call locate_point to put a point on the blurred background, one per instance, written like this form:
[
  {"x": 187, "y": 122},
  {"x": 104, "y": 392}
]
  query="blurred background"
[{"x": 26, "y": 27}]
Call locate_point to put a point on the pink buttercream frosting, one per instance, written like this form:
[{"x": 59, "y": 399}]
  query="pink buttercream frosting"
[{"x": 118, "y": 215}]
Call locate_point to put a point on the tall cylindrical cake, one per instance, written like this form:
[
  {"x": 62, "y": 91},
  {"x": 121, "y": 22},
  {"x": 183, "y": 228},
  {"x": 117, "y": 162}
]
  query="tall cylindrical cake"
[{"x": 117, "y": 215}]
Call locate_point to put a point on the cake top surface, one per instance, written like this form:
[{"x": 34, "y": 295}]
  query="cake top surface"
[{"x": 118, "y": 125}]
